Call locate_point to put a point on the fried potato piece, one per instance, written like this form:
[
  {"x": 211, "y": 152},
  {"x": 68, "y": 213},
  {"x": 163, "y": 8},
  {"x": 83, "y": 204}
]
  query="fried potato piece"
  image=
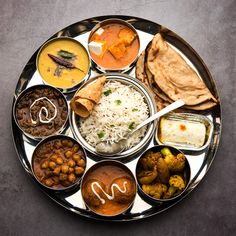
[
  {"x": 163, "y": 171},
  {"x": 147, "y": 176}
]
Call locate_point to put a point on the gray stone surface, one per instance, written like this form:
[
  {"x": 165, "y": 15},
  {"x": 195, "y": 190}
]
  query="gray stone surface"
[{"x": 209, "y": 26}]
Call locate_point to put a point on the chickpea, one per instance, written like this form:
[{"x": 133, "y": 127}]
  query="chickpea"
[
  {"x": 75, "y": 148},
  {"x": 81, "y": 163},
  {"x": 49, "y": 182},
  {"x": 39, "y": 174},
  {"x": 70, "y": 144},
  {"x": 44, "y": 164},
  {"x": 68, "y": 154},
  {"x": 72, "y": 178},
  {"x": 59, "y": 161},
  {"x": 67, "y": 143},
  {"x": 79, "y": 170},
  {"x": 56, "y": 179},
  {"x": 64, "y": 142},
  {"x": 71, "y": 163},
  {"x": 57, "y": 170},
  {"x": 48, "y": 173},
  {"x": 52, "y": 165},
  {"x": 64, "y": 168},
  {"x": 53, "y": 157},
  {"x": 76, "y": 157},
  {"x": 57, "y": 144},
  {"x": 62, "y": 177},
  {"x": 71, "y": 170}
]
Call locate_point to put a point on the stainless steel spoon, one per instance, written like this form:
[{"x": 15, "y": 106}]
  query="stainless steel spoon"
[{"x": 109, "y": 149}]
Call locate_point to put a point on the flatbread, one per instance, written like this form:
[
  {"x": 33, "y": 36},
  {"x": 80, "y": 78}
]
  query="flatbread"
[
  {"x": 85, "y": 99},
  {"x": 92, "y": 91},
  {"x": 175, "y": 77},
  {"x": 82, "y": 107},
  {"x": 139, "y": 72}
]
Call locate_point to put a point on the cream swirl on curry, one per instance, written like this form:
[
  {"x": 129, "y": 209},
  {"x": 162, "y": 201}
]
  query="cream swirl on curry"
[
  {"x": 41, "y": 111},
  {"x": 44, "y": 109},
  {"x": 110, "y": 197},
  {"x": 108, "y": 188}
]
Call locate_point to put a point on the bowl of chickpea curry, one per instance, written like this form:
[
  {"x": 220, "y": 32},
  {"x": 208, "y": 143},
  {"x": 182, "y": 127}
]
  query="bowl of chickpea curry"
[
  {"x": 58, "y": 162},
  {"x": 163, "y": 173}
]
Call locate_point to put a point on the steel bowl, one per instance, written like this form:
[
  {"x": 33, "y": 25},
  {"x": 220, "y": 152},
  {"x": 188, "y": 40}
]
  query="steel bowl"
[
  {"x": 105, "y": 23},
  {"x": 48, "y": 139},
  {"x": 186, "y": 174},
  {"x": 127, "y": 80},
  {"x": 103, "y": 164},
  {"x": 30, "y": 89},
  {"x": 87, "y": 73}
]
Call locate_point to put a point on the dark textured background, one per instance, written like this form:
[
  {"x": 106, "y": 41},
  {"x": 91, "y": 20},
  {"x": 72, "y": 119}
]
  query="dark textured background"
[{"x": 209, "y": 26}]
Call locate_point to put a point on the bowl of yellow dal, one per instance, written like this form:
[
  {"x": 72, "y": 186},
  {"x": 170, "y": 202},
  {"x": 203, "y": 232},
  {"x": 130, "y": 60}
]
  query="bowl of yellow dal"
[{"x": 63, "y": 63}]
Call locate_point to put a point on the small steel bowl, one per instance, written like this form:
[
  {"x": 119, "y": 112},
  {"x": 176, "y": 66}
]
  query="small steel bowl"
[
  {"x": 105, "y": 23},
  {"x": 87, "y": 73},
  {"x": 29, "y": 90},
  {"x": 186, "y": 174},
  {"x": 50, "y": 139},
  {"x": 136, "y": 84},
  {"x": 120, "y": 169}
]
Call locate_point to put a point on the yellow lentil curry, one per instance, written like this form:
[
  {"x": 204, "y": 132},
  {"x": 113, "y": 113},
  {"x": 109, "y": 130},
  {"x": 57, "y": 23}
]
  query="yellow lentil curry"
[{"x": 63, "y": 63}]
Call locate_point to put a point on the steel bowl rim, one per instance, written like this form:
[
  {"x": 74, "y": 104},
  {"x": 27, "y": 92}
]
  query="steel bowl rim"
[
  {"x": 23, "y": 93},
  {"x": 86, "y": 76},
  {"x": 159, "y": 200},
  {"x": 152, "y": 110},
  {"x": 117, "y": 163},
  {"x": 50, "y": 138},
  {"x": 106, "y": 22}
]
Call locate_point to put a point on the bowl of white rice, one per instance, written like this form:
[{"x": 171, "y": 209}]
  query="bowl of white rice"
[{"x": 124, "y": 104}]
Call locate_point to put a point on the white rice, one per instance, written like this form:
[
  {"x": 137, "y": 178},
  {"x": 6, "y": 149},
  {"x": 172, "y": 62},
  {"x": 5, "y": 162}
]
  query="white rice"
[{"x": 112, "y": 117}]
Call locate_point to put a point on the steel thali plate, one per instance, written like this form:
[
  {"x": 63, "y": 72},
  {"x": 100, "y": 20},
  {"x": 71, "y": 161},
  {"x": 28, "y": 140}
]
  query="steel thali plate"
[{"x": 199, "y": 161}]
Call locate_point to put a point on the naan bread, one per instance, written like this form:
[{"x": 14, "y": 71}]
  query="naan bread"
[{"x": 175, "y": 77}]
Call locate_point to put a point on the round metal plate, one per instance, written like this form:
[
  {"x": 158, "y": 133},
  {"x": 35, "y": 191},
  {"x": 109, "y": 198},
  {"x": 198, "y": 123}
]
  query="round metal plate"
[{"x": 199, "y": 161}]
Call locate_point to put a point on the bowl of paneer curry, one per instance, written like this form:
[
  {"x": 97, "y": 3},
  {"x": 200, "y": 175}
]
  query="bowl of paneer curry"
[{"x": 113, "y": 45}]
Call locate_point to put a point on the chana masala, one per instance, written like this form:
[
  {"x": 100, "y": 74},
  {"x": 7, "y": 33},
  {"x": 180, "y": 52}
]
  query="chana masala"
[{"x": 58, "y": 163}]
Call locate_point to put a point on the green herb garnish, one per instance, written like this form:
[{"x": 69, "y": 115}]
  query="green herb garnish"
[
  {"x": 118, "y": 102},
  {"x": 106, "y": 93},
  {"x": 65, "y": 54},
  {"x": 134, "y": 109},
  {"x": 101, "y": 134},
  {"x": 131, "y": 125}
]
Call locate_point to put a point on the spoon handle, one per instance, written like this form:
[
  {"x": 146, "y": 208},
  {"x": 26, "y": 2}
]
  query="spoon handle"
[{"x": 171, "y": 107}]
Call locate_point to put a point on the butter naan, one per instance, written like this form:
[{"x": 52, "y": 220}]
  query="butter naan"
[{"x": 176, "y": 78}]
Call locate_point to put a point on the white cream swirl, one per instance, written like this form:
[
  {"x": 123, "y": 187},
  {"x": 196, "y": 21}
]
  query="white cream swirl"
[
  {"x": 110, "y": 197},
  {"x": 47, "y": 119}
]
